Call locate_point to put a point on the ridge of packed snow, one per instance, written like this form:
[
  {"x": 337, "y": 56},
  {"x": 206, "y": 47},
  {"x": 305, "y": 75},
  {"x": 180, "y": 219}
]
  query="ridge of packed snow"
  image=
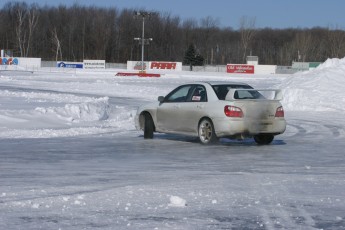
[{"x": 319, "y": 89}]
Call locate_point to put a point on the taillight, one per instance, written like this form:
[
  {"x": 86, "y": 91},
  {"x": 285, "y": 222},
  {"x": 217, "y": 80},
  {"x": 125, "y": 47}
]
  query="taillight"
[
  {"x": 233, "y": 111},
  {"x": 280, "y": 112}
]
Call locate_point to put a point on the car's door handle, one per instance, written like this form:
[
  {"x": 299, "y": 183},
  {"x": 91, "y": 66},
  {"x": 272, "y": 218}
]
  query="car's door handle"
[
  {"x": 177, "y": 106},
  {"x": 200, "y": 106}
]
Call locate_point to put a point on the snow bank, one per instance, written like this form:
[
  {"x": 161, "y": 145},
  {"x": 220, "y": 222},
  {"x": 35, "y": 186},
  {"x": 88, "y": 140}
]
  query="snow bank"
[
  {"x": 95, "y": 110},
  {"x": 320, "y": 89}
]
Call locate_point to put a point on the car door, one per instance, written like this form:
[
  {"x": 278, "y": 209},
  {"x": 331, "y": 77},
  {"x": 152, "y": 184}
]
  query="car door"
[
  {"x": 170, "y": 117},
  {"x": 193, "y": 109}
]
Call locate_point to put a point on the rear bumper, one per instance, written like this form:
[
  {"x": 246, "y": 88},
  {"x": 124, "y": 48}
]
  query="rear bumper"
[{"x": 227, "y": 127}]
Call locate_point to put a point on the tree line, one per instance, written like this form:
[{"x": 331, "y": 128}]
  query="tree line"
[{"x": 80, "y": 32}]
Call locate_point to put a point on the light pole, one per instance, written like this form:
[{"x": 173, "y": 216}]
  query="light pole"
[{"x": 142, "y": 40}]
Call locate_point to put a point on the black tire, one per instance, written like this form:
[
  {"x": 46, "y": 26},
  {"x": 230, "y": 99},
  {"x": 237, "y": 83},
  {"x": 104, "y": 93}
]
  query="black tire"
[
  {"x": 206, "y": 132},
  {"x": 148, "y": 126},
  {"x": 263, "y": 139}
]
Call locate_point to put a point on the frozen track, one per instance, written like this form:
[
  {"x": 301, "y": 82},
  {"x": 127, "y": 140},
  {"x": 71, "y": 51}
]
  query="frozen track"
[{"x": 121, "y": 181}]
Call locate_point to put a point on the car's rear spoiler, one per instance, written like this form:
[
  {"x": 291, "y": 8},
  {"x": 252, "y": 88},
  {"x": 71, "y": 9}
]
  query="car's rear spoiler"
[{"x": 262, "y": 94}]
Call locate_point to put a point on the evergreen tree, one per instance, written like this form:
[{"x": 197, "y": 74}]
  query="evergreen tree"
[{"x": 192, "y": 58}]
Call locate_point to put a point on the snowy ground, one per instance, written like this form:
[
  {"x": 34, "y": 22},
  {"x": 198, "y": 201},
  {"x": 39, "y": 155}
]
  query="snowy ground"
[{"x": 72, "y": 159}]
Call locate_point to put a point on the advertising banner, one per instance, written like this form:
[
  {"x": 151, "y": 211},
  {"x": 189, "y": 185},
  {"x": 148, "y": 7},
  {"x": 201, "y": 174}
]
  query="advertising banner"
[
  {"x": 22, "y": 62},
  {"x": 77, "y": 65},
  {"x": 136, "y": 65},
  {"x": 237, "y": 68},
  {"x": 155, "y": 65},
  {"x": 8, "y": 61},
  {"x": 163, "y": 65},
  {"x": 94, "y": 64}
]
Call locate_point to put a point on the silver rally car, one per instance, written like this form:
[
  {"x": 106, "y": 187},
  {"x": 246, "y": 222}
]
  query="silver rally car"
[{"x": 213, "y": 110}]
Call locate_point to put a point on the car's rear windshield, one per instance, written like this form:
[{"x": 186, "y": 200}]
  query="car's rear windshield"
[{"x": 222, "y": 90}]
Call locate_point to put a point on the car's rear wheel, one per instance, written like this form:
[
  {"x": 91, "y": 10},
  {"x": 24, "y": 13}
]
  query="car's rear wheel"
[
  {"x": 207, "y": 134},
  {"x": 263, "y": 139},
  {"x": 148, "y": 126}
]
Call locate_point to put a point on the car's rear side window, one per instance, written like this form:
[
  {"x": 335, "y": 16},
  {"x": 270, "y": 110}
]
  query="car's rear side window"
[
  {"x": 222, "y": 90},
  {"x": 198, "y": 94}
]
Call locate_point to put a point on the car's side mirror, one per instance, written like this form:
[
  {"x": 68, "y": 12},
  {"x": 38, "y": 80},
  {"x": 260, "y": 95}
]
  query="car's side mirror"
[{"x": 161, "y": 99}]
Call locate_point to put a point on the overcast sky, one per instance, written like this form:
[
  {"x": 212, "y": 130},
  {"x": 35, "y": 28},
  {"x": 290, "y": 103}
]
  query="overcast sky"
[{"x": 267, "y": 13}]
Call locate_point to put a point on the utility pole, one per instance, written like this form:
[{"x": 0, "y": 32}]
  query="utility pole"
[{"x": 142, "y": 40}]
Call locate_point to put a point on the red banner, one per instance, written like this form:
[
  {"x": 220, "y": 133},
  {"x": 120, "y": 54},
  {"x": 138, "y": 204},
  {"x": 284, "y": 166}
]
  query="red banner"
[
  {"x": 249, "y": 69},
  {"x": 125, "y": 74},
  {"x": 163, "y": 65}
]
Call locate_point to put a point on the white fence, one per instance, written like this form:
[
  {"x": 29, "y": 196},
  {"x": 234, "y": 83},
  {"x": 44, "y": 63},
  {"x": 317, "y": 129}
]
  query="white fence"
[{"x": 51, "y": 66}]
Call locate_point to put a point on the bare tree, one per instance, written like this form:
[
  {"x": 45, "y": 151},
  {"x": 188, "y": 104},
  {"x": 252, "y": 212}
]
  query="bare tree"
[
  {"x": 209, "y": 25},
  {"x": 26, "y": 22},
  {"x": 247, "y": 30},
  {"x": 20, "y": 29},
  {"x": 188, "y": 29},
  {"x": 56, "y": 42},
  {"x": 302, "y": 45},
  {"x": 123, "y": 45},
  {"x": 336, "y": 42},
  {"x": 32, "y": 15}
]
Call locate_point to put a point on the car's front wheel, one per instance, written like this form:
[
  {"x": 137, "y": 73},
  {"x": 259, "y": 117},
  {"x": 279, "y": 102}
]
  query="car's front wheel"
[
  {"x": 263, "y": 139},
  {"x": 207, "y": 134},
  {"x": 148, "y": 126}
]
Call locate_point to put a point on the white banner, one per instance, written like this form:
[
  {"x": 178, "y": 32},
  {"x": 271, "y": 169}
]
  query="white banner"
[{"x": 94, "y": 64}]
